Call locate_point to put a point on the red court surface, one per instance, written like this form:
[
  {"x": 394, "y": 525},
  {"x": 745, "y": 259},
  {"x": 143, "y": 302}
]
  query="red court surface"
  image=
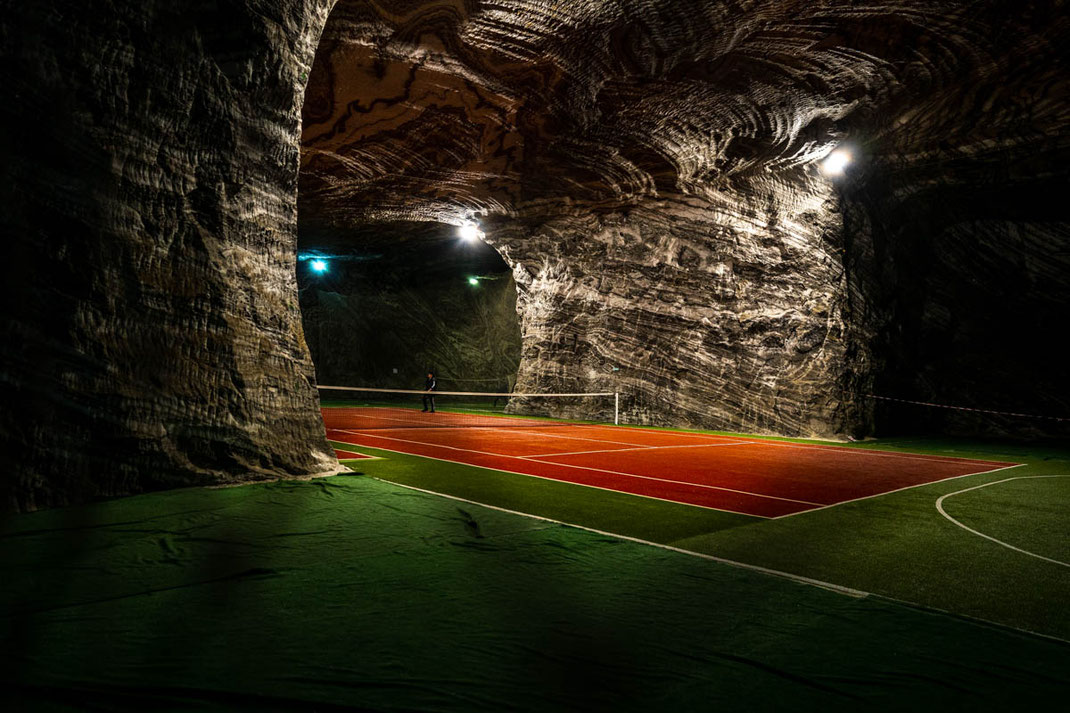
[{"x": 737, "y": 474}]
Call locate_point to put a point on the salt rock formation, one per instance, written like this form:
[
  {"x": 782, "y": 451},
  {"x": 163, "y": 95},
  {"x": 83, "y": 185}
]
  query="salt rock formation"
[
  {"x": 648, "y": 169},
  {"x": 151, "y": 325},
  {"x": 699, "y": 312},
  {"x": 152, "y": 333}
]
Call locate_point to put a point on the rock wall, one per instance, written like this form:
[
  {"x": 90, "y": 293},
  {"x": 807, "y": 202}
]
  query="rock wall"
[
  {"x": 151, "y": 333},
  {"x": 957, "y": 233},
  {"x": 964, "y": 281},
  {"x": 647, "y": 167},
  {"x": 720, "y": 304},
  {"x": 701, "y": 123},
  {"x": 706, "y": 313}
]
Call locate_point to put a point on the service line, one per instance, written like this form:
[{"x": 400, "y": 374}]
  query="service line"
[{"x": 566, "y": 465}]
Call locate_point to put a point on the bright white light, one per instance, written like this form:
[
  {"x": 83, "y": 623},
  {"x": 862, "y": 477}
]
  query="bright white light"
[
  {"x": 319, "y": 265},
  {"x": 473, "y": 281},
  {"x": 469, "y": 232},
  {"x": 836, "y": 162}
]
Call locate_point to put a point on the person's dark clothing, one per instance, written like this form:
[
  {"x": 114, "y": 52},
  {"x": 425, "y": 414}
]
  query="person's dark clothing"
[{"x": 429, "y": 397}]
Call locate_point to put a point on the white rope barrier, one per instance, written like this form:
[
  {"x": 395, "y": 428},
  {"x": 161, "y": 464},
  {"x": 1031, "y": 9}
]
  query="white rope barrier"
[{"x": 965, "y": 408}]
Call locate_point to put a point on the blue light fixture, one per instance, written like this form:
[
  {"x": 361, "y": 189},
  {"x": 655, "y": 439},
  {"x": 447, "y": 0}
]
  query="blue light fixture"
[{"x": 319, "y": 265}]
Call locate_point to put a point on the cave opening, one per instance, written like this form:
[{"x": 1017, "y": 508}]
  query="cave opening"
[
  {"x": 392, "y": 302},
  {"x": 391, "y": 168}
]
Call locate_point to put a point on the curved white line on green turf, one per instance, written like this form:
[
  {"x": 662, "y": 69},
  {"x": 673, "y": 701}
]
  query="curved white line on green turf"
[{"x": 940, "y": 508}]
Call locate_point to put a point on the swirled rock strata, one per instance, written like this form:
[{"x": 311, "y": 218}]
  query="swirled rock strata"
[{"x": 647, "y": 167}]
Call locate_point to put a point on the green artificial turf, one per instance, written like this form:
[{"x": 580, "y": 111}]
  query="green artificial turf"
[
  {"x": 896, "y": 545},
  {"x": 349, "y": 592},
  {"x": 899, "y": 545},
  {"x": 997, "y": 511}
]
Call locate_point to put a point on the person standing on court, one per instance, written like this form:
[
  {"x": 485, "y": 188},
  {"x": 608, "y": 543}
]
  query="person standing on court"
[{"x": 429, "y": 388}]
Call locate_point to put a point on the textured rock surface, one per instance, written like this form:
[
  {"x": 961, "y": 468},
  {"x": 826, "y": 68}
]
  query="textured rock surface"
[
  {"x": 648, "y": 170},
  {"x": 151, "y": 333},
  {"x": 700, "y": 312},
  {"x": 962, "y": 266},
  {"x": 957, "y": 230}
]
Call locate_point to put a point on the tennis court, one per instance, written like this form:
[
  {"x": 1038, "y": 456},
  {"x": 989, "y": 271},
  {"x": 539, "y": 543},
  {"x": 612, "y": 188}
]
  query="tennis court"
[{"x": 756, "y": 477}]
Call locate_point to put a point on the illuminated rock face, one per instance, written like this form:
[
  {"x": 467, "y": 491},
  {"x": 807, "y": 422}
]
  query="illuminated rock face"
[
  {"x": 605, "y": 185},
  {"x": 152, "y": 332},
  {"x": 647, "y": 167},
  {"x": 702, "y": 313}
]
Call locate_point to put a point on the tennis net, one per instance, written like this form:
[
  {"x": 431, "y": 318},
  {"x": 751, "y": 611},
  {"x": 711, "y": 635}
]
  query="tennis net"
[{"x": 358, "y": 408}]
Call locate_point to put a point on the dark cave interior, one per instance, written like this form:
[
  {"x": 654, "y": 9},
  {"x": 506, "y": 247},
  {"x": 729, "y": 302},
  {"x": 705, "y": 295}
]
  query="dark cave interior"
[
  {"x": 647, "y": 171},
  {"x": 841, "y": 476},
  {"x": 405, "y": 305}
]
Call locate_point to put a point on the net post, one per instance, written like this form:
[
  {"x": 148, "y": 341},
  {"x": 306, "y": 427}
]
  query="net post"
[{"x": 616, "y": 408}]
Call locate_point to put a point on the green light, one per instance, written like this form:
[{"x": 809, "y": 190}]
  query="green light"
[{"x": 473, "y": 281}]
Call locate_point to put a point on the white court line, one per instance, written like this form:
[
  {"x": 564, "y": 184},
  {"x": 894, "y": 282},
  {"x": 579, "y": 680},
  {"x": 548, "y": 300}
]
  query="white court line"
[
  {"x": 815, "y": 447},
  {"x": 816, "y": 506},
  {"x": 623, "y": 443},
  {"x": 899, "y": 490},
  {"x": 866, "y": 451},
  {"x": 553, "y": 480},
  {"x": 806, "y": 446},
  {"x": 566, "y": 465},
  {"x": 419, "y": 443},
  {"x": 857, "y": 593},
  {"x": 940, "y": 508},
  {"x": 770, "y": 441},
  {"x": 838, "y": 588},
  {"x": 580, "y": 453},
  {"x": 640, "y": 448},
  {"x": 360, "y": 456},
  {"x": 571, "y": 438},
  {"x": 505, "y": 455},
  {"x": 534, "y": 423},
  {"x": 499, "y": 429},
  {"x": 666, "y": 480}
]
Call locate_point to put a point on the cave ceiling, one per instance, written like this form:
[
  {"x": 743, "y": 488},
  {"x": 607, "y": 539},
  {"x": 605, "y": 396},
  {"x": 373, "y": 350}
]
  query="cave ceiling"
[{"x": 440, "y": 111}]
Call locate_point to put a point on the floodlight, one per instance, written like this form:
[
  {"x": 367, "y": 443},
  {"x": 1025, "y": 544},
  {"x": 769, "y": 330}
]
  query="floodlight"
[
  {"x": 473, "y": 281},
  {"x": 469, "y": 232},
  {"x": 836, "y": 162},
  {"x": 319, "y": 265}
]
